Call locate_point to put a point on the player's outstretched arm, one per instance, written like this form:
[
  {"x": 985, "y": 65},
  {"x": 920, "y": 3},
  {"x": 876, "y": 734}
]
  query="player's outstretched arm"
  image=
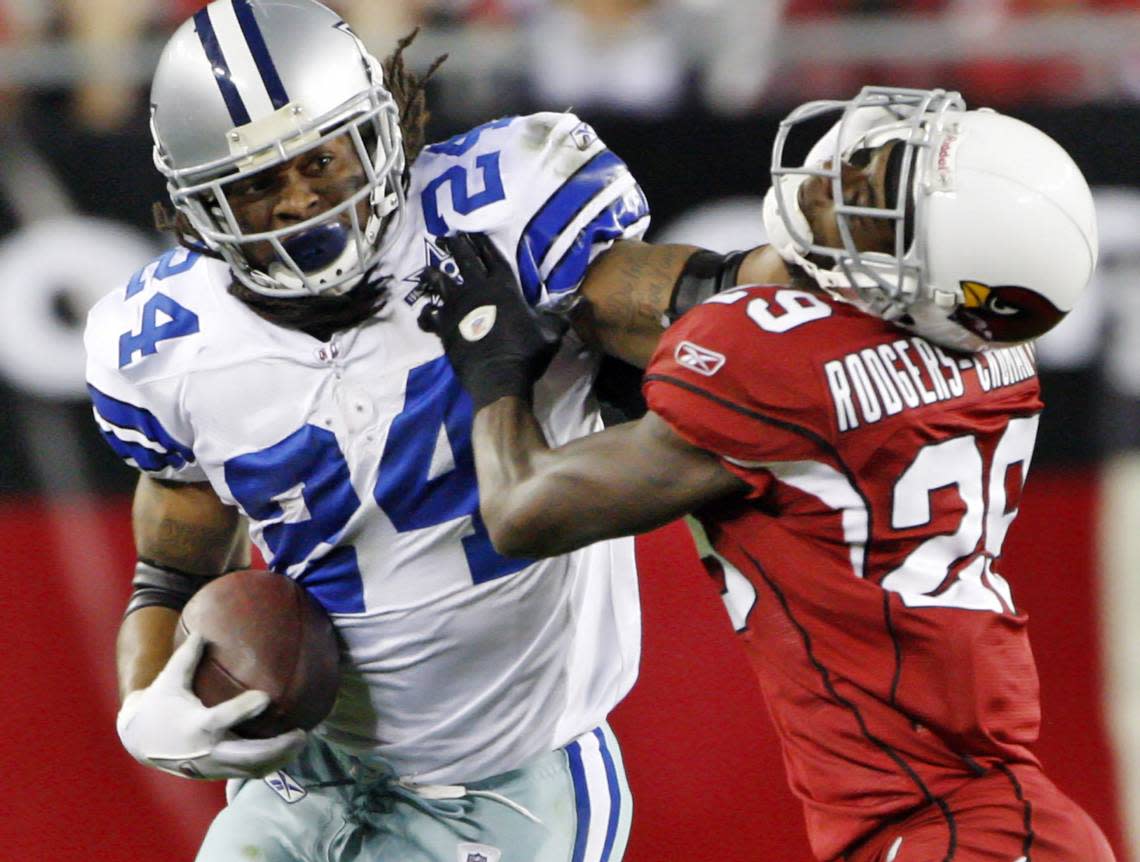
[
  {"x": 538, "y": 502},
  {"x": 634, "y": 289}
]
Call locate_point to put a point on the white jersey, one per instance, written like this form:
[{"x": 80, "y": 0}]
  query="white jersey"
[{"x": 352, "y": 460}]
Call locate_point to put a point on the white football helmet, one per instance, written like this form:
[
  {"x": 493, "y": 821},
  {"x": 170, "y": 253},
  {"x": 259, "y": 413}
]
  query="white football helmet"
[
  {"x": 244, "y": 85},
  {"x": 995, "y": 232}
]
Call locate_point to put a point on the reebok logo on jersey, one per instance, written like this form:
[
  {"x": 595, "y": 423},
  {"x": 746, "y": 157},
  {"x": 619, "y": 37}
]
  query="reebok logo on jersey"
[
  {"x": 478, "y": 853},
  {"x": 698, "y": 359},
  {"x": 478, "y": 322},
  {"x": 285, "y": 787}
]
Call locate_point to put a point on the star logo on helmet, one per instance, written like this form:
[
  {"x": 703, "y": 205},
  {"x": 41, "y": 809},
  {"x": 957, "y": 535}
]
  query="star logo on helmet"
[{"x": 435, "y": 258}]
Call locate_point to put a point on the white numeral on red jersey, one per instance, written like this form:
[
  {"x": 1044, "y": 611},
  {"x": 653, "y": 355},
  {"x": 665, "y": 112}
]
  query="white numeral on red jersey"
[
  {"x": 795, "y": 307},
  {"x": 958, "y": 463}
]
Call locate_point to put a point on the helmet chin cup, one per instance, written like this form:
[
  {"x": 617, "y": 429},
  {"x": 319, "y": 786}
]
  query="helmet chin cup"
[
  {"x": 317, "y": 247},
  {"x": 310, "y": 248}
]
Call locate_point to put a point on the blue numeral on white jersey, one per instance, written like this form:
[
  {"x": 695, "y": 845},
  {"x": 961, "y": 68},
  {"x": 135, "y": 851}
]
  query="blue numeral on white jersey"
[
  {"x": 409, "y": 493},
  {"x": 461, "y": 143},
  {"x": 301, "y": 490},
  {"x": 463, "y": 202},
  {"x": 179, "y": 321},
  {"x": 166, "y": 266}
]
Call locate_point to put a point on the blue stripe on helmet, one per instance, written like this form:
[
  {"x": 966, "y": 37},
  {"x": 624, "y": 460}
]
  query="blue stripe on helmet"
[
  {"x": 615, "y": 794},
  {"x": 221, "y": 68},
  {"x": 581, "y": 800},
  {"x": 125, "y": 415},
  {"x": 260, "y": 51},
  {"x": 549, "y": 222}
]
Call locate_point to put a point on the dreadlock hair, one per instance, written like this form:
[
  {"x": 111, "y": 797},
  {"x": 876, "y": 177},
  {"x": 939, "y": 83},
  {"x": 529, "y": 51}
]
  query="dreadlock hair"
[
  {"x": 170, "y": 220},
  {"x": 318, "y": 316},
  {"x": 409, "y": 92}
]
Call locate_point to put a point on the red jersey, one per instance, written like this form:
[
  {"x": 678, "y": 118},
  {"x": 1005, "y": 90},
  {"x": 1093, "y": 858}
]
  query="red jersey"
[{"x": 884, "y": 474}]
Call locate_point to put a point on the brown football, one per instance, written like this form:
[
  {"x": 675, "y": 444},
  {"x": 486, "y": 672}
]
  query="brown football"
[{"x": 264, "y": 631}]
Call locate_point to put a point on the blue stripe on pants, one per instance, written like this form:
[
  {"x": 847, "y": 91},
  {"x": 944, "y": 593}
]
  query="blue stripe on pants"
[
  {"x": 615, "y": 794},
  {"x": 581, "y": 799}
]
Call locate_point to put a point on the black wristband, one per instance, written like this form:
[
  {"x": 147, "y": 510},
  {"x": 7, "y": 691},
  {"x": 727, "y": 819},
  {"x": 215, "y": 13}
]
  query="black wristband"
[
  {"x": 154, "y": 584},
  {"x": 706, "y": 273},
  {"x": 498, "y": 380}
]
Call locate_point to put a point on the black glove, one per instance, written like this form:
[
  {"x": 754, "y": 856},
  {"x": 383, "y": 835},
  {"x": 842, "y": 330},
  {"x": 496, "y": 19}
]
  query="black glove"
[{"x": 497, "y": 344}]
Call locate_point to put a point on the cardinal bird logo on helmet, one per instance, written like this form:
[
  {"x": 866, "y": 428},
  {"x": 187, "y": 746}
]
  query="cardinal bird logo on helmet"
[{"x": 1005, "y": 312}]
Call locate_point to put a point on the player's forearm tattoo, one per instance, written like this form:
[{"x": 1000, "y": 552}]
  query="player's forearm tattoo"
[
  {"x": 639, "y": 287},
  {"x": 188, "y": 545}
]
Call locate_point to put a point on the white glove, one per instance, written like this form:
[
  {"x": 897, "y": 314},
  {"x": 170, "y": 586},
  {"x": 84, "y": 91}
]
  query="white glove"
[{"x": 166, "y": 726}]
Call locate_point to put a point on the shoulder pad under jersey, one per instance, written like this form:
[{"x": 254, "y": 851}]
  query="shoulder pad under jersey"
[
  {"x": 544, "y": 186},
  {"x": 140, "y": 339}
]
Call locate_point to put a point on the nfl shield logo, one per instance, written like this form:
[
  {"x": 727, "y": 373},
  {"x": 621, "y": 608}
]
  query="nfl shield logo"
[{"x": 478, "y": 853}]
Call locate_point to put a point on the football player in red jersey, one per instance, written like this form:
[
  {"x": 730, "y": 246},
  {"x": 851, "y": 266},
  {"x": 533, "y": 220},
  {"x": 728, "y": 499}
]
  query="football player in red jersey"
[{"x": 854, "y": 440}]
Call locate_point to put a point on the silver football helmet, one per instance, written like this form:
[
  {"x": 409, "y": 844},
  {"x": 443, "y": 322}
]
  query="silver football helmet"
[
  {"x": 994, "y": 229},
  {"x": 245, "y": 85}
]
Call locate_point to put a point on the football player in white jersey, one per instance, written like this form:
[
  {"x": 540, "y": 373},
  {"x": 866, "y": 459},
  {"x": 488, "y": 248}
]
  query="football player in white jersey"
[{"x": 270, "y": 372}]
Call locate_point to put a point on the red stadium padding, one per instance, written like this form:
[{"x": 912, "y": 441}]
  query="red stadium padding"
[
  {"x": 702, "y": 759},
  {"x": 71, "y": 791},
  {"x": 1052, "y": 566}
]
